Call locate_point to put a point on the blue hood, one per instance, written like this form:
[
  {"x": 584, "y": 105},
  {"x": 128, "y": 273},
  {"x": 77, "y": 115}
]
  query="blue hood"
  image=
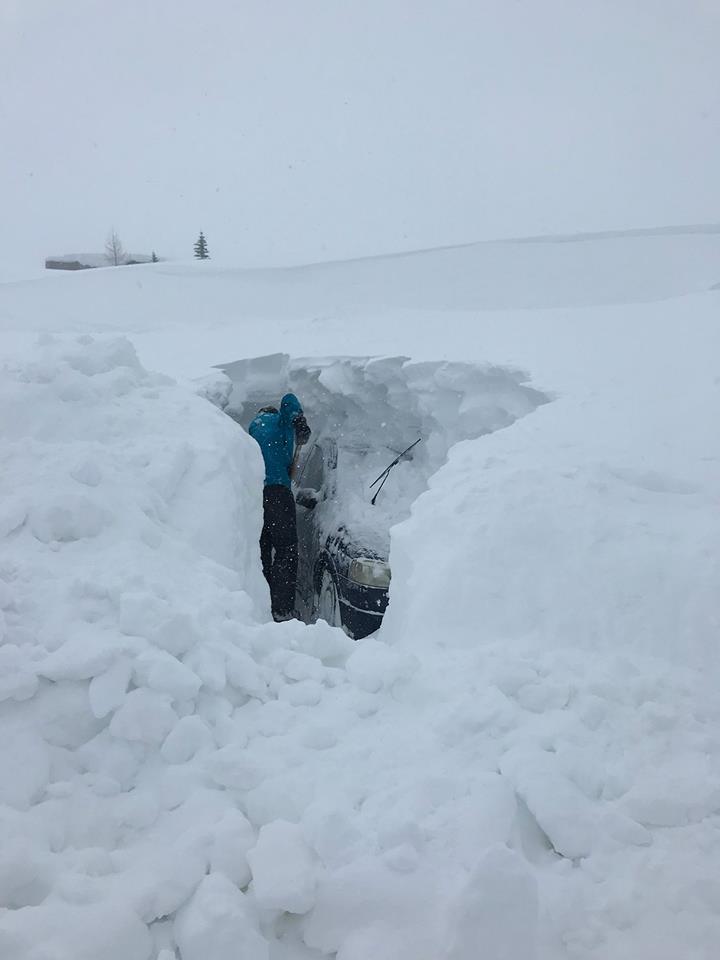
[
  {"x": 289, "y": 409},
  {"x": 274, "y": 432}
]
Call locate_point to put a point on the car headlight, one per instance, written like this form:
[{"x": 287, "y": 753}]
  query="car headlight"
[{"x": 371, "y": 573}]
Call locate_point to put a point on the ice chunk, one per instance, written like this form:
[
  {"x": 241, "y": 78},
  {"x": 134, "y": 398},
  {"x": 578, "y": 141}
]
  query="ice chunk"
[
  {"x": 283, "y": 870},
  {"x": 218, "y": 924}
]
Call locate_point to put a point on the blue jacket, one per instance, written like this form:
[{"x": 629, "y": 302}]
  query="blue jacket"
[{"x": 276, "y": 436}]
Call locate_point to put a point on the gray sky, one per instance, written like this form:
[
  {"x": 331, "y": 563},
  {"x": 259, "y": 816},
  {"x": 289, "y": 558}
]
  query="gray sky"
[{"x": 296, "y": 130}]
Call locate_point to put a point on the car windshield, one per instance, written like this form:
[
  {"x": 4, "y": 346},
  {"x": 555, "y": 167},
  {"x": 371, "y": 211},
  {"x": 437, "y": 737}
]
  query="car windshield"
[{"x": 349, "y": 501}]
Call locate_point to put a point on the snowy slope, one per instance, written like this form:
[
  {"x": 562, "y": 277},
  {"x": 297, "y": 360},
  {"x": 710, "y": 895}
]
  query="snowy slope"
[{"x": 526, "y": 760}]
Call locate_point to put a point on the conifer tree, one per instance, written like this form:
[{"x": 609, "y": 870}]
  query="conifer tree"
[
  {"x": 201, "y": 248},
  {"x": 154, "y": 258}
]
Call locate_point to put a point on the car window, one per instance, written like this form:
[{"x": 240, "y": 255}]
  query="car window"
[{"x": 313, "y": 473}]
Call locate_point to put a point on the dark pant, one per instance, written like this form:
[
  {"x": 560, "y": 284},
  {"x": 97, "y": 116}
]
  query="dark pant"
[{"x": 278, "y": 548}]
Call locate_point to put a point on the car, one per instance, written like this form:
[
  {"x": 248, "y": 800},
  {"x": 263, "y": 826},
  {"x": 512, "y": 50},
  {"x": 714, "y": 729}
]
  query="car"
[{"x": 343, "y": 573}]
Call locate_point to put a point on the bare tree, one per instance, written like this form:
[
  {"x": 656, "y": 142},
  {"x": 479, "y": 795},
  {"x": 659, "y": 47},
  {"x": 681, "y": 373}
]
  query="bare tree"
[{"x": 114, "y": 252}]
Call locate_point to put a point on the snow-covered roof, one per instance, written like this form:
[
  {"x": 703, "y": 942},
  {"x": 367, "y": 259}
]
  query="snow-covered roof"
[{"x": 96, "y": 259}]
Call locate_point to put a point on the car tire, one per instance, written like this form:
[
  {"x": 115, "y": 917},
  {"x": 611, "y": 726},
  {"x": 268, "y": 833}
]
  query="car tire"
[{"x": 328, "y": 603}]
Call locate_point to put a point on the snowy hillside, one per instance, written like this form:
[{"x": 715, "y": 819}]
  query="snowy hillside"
[{"x": 525, "y": 761}]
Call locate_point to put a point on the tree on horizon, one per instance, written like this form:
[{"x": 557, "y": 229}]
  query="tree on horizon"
[
  {"x": 201, "y": 248},
  {"x": 114, "y": 252}
]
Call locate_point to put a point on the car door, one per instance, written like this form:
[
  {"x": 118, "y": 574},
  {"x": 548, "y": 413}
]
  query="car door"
[{"x": 310, "y": 483}]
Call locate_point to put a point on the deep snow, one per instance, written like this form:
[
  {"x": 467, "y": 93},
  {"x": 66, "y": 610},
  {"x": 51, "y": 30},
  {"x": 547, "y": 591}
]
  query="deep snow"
[
  {"x": 372, "y": 410},
  {"x": 526, "y": 760}
]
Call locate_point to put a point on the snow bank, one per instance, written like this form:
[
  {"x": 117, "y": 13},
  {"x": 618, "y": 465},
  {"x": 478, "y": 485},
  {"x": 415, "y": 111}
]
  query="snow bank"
[
  {"x": 592, "y": 527},
  {"x": 516, "y": 765}
]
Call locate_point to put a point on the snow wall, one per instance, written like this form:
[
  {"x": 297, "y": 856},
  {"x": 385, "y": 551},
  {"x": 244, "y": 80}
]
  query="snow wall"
[
  {"x": 373, "y": 409},
  {"x": 181, "y": 778}
]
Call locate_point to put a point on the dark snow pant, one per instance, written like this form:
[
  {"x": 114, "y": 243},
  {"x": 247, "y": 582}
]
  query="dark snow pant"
[{"x": 278, "y": 548}]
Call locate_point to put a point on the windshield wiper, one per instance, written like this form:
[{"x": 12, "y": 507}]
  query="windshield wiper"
[{"x": 386, "y": 472}]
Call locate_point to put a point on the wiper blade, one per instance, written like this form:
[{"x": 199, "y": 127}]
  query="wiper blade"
[{"x": 386, "y": 472}]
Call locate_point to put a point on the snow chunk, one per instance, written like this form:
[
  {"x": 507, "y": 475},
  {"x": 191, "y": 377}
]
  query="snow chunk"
[
  {"x": 107, "y": 690},
  {"x": 80, "y": 657},
  {"x": 177, "y": 634},
  {"x": 675, "y": 794},
  {"x": 564, "y": 814},
  {"x": 71, "y": 517},
  {"x": 283, "y": 870},
  {"x": 160, "y": 671},
  {"x": 64, "y": 931},
  {"x": 18, "y": 678},
  {"x": 218, "y": 924},
  {"x": 375, "y": 666},
  {"x": 244, "y": 674},
  {"x": 299, "y": 666},
  {"x": 497, "y": 909},
  {"x": 189, "y": 736},
  {"x": 25, "y": 766},
  {"x": 145, "y": 716},
  {"x": 233, "y": 838}
]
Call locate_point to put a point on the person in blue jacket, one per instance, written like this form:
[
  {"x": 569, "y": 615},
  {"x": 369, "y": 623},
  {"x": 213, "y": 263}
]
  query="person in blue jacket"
[{"x": 280, "y": 433}]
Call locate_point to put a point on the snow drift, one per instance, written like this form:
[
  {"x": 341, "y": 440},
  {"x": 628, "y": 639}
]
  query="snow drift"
[{"x": 183, "y": 779}]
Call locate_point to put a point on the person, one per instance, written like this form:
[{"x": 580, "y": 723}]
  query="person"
[{"x": 280, "y": 434}]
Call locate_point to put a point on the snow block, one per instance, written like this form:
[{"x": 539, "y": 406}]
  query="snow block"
[
  {"x": 25, "y": 762},
  {"x": 283, "y": 869},
  {"x": 219, "y": 924},
  {"x": 563, "y": 813},
  {"x": 496, "y": 914},
  {"x": 145, "y": 716},
  {"x": 64, "y": 931},
  {"x": 233, "y": 838}
]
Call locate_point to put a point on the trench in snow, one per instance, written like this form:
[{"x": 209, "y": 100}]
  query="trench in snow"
[{"x": 371, "y": 409}]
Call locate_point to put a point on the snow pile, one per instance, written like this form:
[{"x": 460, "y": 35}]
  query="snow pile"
[{"x": 513, "y": 766}]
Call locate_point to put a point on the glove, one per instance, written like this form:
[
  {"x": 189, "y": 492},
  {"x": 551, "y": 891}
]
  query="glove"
[{"x": 302, "y": 430}]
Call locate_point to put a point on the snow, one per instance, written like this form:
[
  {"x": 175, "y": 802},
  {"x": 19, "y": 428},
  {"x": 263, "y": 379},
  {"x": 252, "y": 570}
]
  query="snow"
[{"x": 524, "y": 761}]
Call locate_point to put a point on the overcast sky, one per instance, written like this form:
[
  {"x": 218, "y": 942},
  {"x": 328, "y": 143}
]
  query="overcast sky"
[{"x": 297, "y": 130}]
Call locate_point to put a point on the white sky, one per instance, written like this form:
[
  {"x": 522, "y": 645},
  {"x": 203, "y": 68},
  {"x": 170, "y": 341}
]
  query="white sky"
[{"x": 296, "y": 130}]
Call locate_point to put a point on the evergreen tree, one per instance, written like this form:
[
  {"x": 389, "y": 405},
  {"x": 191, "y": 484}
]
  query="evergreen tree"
[
  {"x": 154, "y": 257},
  {"x": 201, "y": 248}
]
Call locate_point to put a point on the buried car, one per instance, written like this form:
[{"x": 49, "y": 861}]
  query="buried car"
[{"x": 343, "y": 575}]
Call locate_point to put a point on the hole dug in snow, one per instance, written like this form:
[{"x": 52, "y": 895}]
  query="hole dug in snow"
[{"x": 364, "y": 412}]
